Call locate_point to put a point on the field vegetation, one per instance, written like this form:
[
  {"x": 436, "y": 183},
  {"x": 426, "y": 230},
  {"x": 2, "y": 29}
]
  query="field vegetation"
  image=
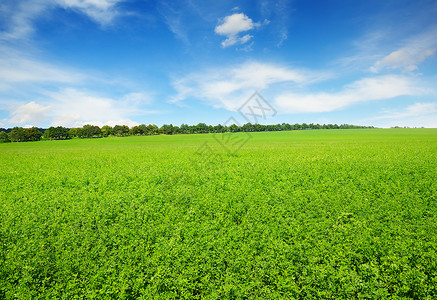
[{"x": 305, "y": 214}]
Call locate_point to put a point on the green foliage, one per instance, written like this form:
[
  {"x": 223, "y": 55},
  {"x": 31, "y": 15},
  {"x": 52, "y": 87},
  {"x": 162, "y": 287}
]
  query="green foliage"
[
  {"x": 305, "y": 214},
  {"x": 120, "y": 130},
  {"x": 19, "y": 134},
  {"x": 4, "y": 138},
  {"x": 74, "y": 132},
  {"x": 89, "y": 131},
  {"x": 106, "y": 130},
  {"x": 57, "y": 133},
  {"x": 167, "y": 129}
]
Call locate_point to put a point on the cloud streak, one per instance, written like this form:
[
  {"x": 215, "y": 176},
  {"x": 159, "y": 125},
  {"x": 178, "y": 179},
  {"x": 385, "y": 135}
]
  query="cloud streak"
[
  {"x": 415, "y": 115},
  {"x": 280, "y": 11},
  {"x": 71, "y": 107},
  {"x": 102, "y": 12},
  {"x": 19, "y": 16},
  {"x": 364, "y": 90},
  {"x": 16, "y": 68},
  {"x": 418, "y": 109},
  {"x": 229, "y": 87},
  {"x": 414, "y": 51}
]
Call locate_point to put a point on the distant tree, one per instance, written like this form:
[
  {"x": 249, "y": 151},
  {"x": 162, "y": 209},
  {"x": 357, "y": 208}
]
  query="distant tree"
[
  {"x": 248, "y": 127},
  {"x": 106, "y": 130},
  {"x": 184, "y": 129},
  {"x": 152, "y": 129},
  {"x": 89, "y": 131},
  {"x": 286, "y": 126},
  {"x": 120, "y": 130},
  {"x": 234, "y": 128},
  {"x": 33, "y": 134},
  {"x": 18, "y": 134},
  {"x": 142, "y": 129},
  {"x": 4, "y": 138},
  {"x": 49, "y": 133},
  {"x": 166, "y": 129},
  {"x": 135, "y": 130},
  {"x": 271, "y": 127},
  {"x": 219, "y": 128},
  {"x": 192, "y": 129},
  {"x": 57, "y": 133},
  {"x": 201, "y": 128}
]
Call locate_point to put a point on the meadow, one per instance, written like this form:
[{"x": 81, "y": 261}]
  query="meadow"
[{"x": 308, "y": 214}]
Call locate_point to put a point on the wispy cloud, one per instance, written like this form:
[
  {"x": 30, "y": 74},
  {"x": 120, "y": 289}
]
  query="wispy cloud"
[
  {"x": 229, "y": 87},
  {"x": 231, "y": 27},
  {"x": 418, "y": 109},
  {"x": 102, "y": 12},
  {"x": 281, "y": 12},
  {"x": 18, "y": 17},
  {"x": 174, "y": 18},
  {"x": 414, "y": 51},
  {"x": 18, "y": 67},
  {"x": 415, "y": 115},
  {"x": 72, "y": 107},
  {"x": 364, "y": 90},
  {"x": 384, "y": 51},
  {"x": 366, "y": 50}
]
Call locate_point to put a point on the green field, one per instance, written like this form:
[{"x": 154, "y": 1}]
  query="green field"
[{"x": 319, "y": 214}]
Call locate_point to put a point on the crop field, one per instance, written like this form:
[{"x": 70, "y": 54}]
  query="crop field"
[{"x": 310, "y": 214}]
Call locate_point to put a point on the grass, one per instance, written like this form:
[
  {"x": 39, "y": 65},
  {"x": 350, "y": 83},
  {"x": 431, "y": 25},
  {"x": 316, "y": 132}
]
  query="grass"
[{"x": 301, "y": 214}]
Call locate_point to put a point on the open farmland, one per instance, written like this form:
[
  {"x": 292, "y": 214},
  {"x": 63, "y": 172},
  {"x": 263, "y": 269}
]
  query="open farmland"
[{"x": 299, "y": 214}]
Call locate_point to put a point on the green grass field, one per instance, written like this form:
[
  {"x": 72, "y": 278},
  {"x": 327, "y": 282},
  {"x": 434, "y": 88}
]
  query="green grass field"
[{"x": 318, "y": 214}]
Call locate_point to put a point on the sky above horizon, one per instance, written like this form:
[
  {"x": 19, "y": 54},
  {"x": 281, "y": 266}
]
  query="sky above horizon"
[{"x": 75, "y": 62}]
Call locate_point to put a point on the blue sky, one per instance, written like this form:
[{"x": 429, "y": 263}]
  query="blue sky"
[{"x": 76, "y": 62}]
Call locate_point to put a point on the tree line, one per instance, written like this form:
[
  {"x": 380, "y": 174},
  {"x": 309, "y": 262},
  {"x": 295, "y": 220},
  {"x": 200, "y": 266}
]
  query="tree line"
[{"x": 19, "y": 134}]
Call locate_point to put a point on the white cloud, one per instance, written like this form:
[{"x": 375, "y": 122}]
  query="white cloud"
[
  {"x": 416, "y": 115},
  {"x": 16, "y": 67},
  {"x": 367, "y": 89},
  {"x": 231, "y": 26},
  {"x": 229, "y": 87},
  {"x": 71, "y": 107},
  {"x": 76, "y": 108},
  {"x": 414, "y": 51},
  {"x": 415, "y": 110},
  {"x": 19, "y": 16},
  {"x": 28, "y": 113},
  {"x": 234, "y": 24},
  {"x": 406, "y": 59},
  {"x": 101, "y": 11},
  {"x": 232, "y": 40}
]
